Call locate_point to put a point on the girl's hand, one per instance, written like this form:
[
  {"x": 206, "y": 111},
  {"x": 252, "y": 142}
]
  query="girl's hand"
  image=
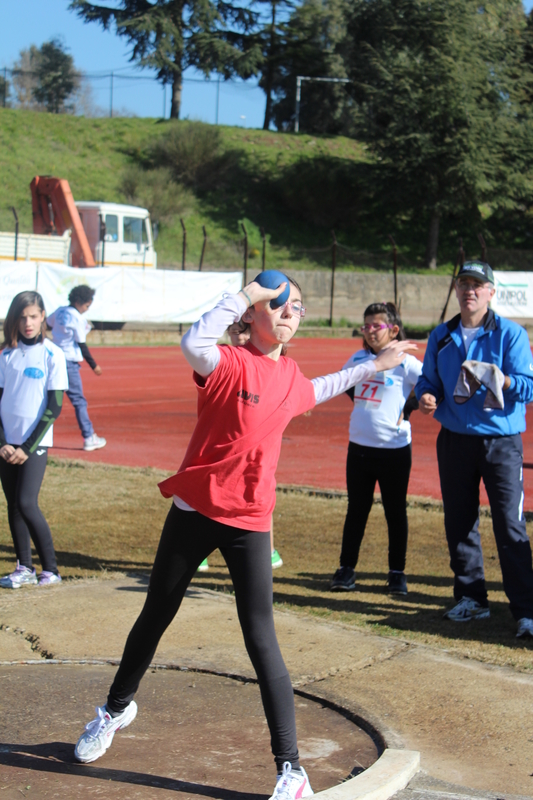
[
  {"x": 18, "y": 457},
  {"x": 393, "y": 354},
  {"x": 259, "y": 294},
  {"x": 6, "y": 451},
  {"x": 97, "y": 370}
]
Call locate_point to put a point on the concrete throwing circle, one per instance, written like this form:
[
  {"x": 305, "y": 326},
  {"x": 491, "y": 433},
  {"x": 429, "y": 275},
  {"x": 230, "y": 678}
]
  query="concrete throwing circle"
[{"x": 196, "y": 736}]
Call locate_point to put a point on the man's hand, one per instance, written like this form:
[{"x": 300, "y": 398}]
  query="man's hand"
[
  {"x": 427, "y": 403},
  {"x": 97, "y": 370},
  {"x": 506, "y": 383},
  {"x": 18, "y": 456}
]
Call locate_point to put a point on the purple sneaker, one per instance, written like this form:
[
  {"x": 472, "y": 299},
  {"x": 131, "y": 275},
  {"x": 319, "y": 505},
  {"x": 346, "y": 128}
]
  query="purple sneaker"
[
  {"x": 20, "y": 577},
  {"x": 47, "y": 578}
]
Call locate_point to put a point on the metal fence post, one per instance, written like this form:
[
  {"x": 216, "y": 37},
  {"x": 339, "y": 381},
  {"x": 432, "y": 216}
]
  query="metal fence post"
[
  {"x": 16, "y": 231},
  {"x": 204, "y": 245},
  {"x": 245, "y": 265},
  {"x": 483, "y": 247},
  {"x": 333, "y": 266},
  {"x": 184, "y": 244},
  {"x": 395, "y": 268},
  {"x": 263, "y": 257},
  {"x": 459, "y": 261}
]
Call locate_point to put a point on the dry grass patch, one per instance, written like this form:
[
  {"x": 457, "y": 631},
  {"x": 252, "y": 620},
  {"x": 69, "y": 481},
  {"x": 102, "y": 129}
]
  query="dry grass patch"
[{"x": 108, "y": 519}]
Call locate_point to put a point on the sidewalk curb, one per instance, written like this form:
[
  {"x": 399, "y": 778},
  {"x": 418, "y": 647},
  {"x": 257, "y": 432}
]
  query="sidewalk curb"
[{"x": 390, "y": 774}]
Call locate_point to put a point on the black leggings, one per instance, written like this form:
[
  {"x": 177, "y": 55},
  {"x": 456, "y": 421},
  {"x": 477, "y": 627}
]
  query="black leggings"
[
  {"x": 188, "y": 537},
  {"x": 391, "y": 469},
  {"x": 21, "y": 484}
]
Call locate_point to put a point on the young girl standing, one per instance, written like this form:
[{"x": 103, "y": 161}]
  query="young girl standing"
[
  {"x": 223, "y": 497},
  {"x": 33, "y": 377},
  {"x": 379, "y": 449}
]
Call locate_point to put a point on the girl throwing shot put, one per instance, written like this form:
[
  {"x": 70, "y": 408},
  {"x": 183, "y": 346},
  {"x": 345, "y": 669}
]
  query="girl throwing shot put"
[
  {"x": 379, "y": 448},
  {"x": 33, "y": 377},
  {"x": 223, "y": 497}
]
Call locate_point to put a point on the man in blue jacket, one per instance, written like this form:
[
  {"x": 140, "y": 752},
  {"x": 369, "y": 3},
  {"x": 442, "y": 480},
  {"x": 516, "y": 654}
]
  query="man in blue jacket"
[{"x": 477, "y": 441}]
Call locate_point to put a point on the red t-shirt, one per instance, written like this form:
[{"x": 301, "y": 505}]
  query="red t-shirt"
[{"x": 243, "y": 408}]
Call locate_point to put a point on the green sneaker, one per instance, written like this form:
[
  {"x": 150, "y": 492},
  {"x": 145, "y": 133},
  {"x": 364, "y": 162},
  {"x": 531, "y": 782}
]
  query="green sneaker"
[
  {"x": 276, "y": 560},
  {"x": 204, "y": 566}
]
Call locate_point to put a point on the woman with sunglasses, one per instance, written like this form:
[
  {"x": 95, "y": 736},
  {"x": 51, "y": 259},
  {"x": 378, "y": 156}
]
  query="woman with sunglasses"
[
  {"x": 379, "y": 449},
  {"x": 223, "y": 495}
]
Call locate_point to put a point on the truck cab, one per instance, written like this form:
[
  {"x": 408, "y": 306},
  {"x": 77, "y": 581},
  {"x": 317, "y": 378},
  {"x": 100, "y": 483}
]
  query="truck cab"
[{"x": 118, "y": 235}]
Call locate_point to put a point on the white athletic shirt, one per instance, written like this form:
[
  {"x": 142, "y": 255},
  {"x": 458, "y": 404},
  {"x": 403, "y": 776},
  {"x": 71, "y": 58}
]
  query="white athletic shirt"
[
  {"x": 27, "y": 373},
  {"x": 378, "y": 403},
  {"x": 69, "y": 328},
  {"x": 468, "y": 335}
]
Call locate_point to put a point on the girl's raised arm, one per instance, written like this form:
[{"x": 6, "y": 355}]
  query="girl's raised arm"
[{"x": 199, "y": 343}]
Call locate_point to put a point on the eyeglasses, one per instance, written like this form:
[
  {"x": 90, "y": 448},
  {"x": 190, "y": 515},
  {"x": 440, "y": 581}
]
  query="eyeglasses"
[
  {"x": 474, "y": 286},
  {"x": 376, "y": 326},
  {"x": 296, "y": 308}
]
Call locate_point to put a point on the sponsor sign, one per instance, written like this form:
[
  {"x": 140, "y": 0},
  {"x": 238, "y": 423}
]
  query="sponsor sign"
[{"x": 514, "y": 294}]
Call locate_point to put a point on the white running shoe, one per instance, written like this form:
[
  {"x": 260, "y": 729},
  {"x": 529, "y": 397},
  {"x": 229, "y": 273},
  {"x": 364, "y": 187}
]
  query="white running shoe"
[
  {"x": 94, "y": 442},
  {"x": 100, "y": 731},
  {"x": 20, "y": 577},
  {"x": 48, "y": 578},
  {"x": 292, "y": 785},
  {"x": 466, "y": 609}
]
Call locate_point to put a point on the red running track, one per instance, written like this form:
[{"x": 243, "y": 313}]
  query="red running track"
[{"x": 145, "y": 405}]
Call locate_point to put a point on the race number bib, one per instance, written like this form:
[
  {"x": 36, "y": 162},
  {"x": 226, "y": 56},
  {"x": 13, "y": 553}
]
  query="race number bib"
[{"x": 369, "y": 393}]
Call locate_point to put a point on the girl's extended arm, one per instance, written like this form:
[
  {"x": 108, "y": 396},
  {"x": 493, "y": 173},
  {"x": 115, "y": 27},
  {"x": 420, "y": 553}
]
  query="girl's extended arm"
[
  {"x": 328, "y": 386},
  {"x": 392, "y": 355},
  {"x": 199, "y": 343}
]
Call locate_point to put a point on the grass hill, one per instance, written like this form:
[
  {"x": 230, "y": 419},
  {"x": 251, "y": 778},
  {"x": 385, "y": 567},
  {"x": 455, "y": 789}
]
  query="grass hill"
[{"x": 297, "y": 187}]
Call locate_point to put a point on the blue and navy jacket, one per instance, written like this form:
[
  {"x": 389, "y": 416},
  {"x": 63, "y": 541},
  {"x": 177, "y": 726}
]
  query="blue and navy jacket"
[{"x": 499, "y": 342}]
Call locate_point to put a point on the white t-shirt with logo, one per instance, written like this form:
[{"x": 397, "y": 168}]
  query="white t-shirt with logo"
[
  {"x": 379, "y": 401},
  {"x": 27, "y": 373},
  {"x": 69, "y": 328}
]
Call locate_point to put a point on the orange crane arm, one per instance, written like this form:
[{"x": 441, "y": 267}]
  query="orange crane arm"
[{"x": 54, "y": 212}]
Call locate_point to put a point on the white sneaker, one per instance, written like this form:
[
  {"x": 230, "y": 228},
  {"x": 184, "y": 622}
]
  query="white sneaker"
[
  {"x": 467, "y": 609},
  {"x": 94, "y": 442},
  {"x": 99, "y": 733},
  {"x": 20, "y": 577},
  {"x": 292, "y": 785},
  {"x": 525, "y": 628}
]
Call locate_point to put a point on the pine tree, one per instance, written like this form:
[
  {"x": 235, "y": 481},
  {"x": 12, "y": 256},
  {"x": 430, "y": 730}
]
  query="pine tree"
[
  {"x": 440, "y": 88},
  {"x": 171, "y": 35}
]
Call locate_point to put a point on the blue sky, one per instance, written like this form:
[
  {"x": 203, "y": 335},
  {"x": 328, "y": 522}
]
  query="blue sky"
[{"x": 27, "y": 22}]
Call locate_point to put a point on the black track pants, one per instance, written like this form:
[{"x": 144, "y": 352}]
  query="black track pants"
[
  {"x": 21, "y": 484},
  {"x": 463, "y": 461},
  {"x": 366, "y": 466},
  {"x": 188, "y": 537}
]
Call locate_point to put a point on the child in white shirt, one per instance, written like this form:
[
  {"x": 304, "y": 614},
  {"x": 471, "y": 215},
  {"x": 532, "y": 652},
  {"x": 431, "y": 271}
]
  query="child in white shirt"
[
  {"x": 379, "y": 450},
  {"x": 69, "y": 331}
]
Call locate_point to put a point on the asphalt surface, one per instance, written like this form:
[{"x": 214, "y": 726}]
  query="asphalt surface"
[{"x": 200, "y": 732}]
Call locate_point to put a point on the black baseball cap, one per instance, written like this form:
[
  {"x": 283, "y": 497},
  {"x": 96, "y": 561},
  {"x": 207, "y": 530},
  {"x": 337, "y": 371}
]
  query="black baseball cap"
[{"x": 477, "y": 269}]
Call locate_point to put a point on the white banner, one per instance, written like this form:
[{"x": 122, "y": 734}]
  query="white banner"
[
  {"x": 514, "y": 294},
  {"x": 122, "y": 294},
  {"x": 15, "y": 277}
]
